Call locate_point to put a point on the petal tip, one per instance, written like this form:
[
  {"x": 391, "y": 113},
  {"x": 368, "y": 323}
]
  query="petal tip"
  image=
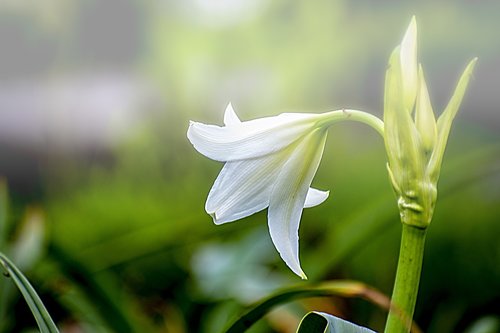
[
  {"x": 315, "y": 197},
  {"x": 219, "y": 219},
  {"x": 190, "y": 127},
  {"x": 230, "y": 117},
  {"x": 297, "y": 269},
  {"x": 473, "y": 62},
  {"x": 413, "y": 20},
  {"x": 213, "y": 215},
  {"x": 412, "y": 27},
  {"x": 189, "y": 133}
]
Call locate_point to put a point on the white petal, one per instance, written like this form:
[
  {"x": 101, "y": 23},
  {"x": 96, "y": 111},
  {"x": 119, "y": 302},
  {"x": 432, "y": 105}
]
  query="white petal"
[
  {"x": 289, "y": 195},
  {"x": 230, "y": 117},
  {"x": 250, "y": 139},
  {"x": 243, "y": 188},
  {"x": 315, "y": 197}
]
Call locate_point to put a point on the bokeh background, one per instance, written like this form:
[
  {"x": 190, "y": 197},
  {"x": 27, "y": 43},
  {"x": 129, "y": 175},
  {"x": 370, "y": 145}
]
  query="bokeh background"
[{"x": 103, "y": 196}]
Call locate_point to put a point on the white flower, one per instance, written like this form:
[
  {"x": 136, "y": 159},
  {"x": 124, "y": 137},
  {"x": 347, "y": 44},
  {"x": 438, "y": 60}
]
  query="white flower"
[{"x": 270, "y": 163}]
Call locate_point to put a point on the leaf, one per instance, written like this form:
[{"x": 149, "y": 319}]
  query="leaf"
[
  {"x": 4, "y": 205},
  {"x": 28, "y": 246},
  {"x": 42, "y": 316},
  {"x": 319, "y": 322},
  {"x": 344, "y": 288},
  {"x": 102, "y": 292}
]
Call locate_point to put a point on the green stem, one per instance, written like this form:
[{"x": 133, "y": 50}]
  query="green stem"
[
  {"x": 404, "y": 295},
  {"x": 329, "y": 118}
]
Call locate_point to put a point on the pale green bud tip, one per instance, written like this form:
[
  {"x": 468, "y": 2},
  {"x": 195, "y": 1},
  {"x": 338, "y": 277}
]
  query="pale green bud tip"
[
  {"x": 446, "y": 119},
  {"x": 424, "y": 116},
  {"x": 408, "y": 59}
]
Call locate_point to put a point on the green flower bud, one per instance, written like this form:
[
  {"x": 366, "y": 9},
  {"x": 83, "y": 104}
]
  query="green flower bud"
[{"x": 415, "y": 147}]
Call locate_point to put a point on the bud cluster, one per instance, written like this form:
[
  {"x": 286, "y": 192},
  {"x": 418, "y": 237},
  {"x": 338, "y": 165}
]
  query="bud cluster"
[{"x": 414, "y": 140}]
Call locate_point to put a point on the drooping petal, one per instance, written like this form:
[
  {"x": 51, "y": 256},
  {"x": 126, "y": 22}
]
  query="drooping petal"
[
  {"x": 243, "y": 188},
  {"x": 230, "y": 117},
  {"x": 315, "y": 197},
  {"x": 250, "y": 139},
  {"x": 289, "y": 195}
]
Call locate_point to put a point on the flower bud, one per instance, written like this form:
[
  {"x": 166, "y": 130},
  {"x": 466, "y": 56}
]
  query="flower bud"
[{"x": 415, "y": 147}]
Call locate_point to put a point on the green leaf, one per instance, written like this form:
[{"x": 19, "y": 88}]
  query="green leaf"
[
  {"x": 42, "y": 316},
  {"x": 318, "y": 322},
  {"x": 102, "y": 291},
  {"x": 4, "y": 205},
  {"x": 333, "y": 288}
]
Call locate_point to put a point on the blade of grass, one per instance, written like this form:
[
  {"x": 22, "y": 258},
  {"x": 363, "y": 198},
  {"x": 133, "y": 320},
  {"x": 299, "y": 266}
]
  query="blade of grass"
[
  {"x": 5, "y": 288},
  {"x": 42, "y": 316},
  {"x": 115, "y": 306},
  {"x": 4, "y": 205}
]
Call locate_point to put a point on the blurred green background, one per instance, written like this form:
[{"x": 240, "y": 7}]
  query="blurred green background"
[{"x": 105, "y": 208}]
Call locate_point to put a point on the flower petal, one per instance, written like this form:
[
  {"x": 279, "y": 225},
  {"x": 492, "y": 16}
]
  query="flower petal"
[
  {"x": 289, "y": 195},
  {"x": 230, "y": 117},
  {"x": 250, "y": 139},
  {"x": 315, "y": 197},
  {"x": 243, "y": 188}
]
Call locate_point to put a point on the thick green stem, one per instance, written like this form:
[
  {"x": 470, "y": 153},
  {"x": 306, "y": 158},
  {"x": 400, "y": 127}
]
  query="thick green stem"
[{"x": 404, "y": 295}]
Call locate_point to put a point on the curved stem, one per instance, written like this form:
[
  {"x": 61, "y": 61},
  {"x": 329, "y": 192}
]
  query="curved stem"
[
  {"x": 329, "y": 118},
  {"x": 404, "y": 295}
]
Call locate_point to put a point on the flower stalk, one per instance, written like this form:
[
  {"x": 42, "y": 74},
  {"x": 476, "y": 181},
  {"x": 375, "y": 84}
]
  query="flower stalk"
[
  {"x": 404, "y": 296},
  {"x": 354, "y": 115},
  {"x": 415, "y": 144}
]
